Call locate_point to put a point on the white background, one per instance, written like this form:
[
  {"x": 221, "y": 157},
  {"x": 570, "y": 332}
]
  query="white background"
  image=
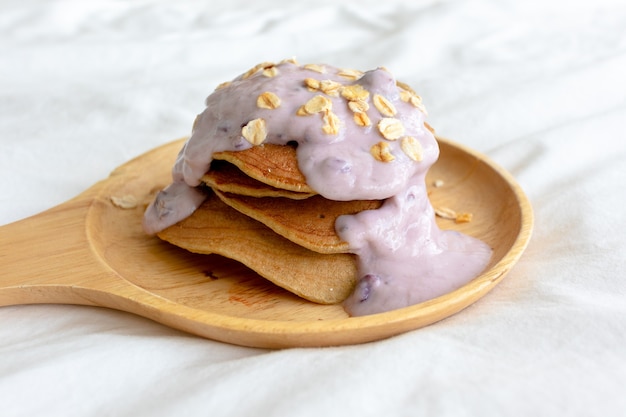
[{"x": 537, "y": 86}]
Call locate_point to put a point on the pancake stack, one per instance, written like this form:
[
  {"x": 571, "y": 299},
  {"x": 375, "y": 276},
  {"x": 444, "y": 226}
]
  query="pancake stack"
[{"x": 261, "y": 212}]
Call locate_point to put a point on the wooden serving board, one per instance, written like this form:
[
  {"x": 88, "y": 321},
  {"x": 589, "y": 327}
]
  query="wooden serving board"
[{"x": 92, "y": 251}]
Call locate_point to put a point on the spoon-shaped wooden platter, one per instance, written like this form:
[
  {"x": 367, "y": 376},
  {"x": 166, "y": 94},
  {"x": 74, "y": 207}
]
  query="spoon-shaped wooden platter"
[{"x": 91, "y": 250}]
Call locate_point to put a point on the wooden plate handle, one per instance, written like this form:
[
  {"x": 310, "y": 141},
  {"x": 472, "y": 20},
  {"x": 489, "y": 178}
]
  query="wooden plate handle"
[{"x": 47, "y": 258}]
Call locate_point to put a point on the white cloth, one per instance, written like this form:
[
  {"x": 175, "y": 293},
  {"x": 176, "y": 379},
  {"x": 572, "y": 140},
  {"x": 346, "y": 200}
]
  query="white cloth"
[{"x": 538, "y": 86}]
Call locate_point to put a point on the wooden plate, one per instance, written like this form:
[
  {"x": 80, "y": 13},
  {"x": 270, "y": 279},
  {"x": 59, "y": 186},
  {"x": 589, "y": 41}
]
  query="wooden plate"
[{"x": 91, "y": 250}]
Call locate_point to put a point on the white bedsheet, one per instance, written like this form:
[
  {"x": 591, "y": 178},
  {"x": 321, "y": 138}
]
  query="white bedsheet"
[{"x": 538, "y": 86}]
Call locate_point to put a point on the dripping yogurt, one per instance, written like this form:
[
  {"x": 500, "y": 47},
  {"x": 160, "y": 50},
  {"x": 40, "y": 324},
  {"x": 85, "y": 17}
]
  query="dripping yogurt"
[{"x": 360, "y": 136}]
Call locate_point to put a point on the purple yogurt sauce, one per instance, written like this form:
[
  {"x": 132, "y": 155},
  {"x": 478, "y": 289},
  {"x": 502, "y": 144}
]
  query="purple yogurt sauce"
[{"x": 364, "y": 139}]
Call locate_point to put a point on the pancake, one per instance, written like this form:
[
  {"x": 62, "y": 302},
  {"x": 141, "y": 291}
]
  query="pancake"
[
  {"x": 309, "y": 223},
  {"x": 274, "y": 165},
  {"x": 262, "y": 213},
  {"x": 217, "y": 228},
  {"x": 227, "y": 178}
]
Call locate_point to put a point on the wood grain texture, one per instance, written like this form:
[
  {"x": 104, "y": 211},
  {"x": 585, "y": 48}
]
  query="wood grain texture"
[{"x": 90, "y": 251}]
